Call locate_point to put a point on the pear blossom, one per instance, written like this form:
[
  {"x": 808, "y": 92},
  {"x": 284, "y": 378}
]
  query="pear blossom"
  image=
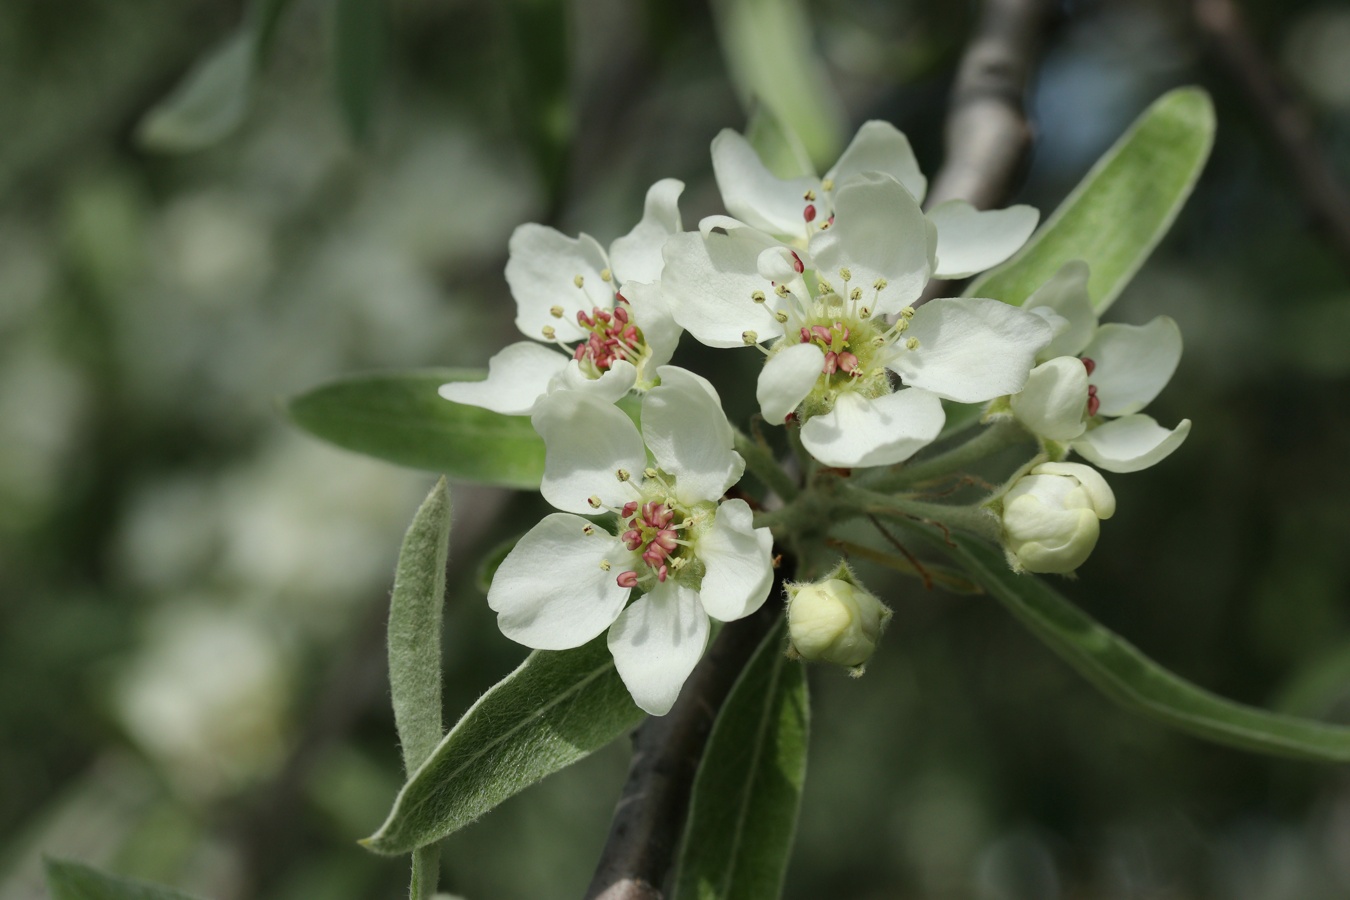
[
  {"x": 794, "y": 209},
  {"x": 835, "y": 620},
  {"x": 1051, "y": 517},
  {"x": 833, "y": 352},
  {"x": 690, "y": 554},
  {"x": 1093, "y": 380},
  {"x": 603, "y": 311}
]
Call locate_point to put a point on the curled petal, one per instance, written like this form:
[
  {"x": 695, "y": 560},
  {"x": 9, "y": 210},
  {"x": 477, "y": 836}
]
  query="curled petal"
[
  {"x": 517, "y": 376},
  {"x": 542, "y": 273},
  {"x": 586, "y": 442},
  {"x": 755, "y": 195},
  {"x": 879, "y": 432},
  {"x": 970, "y": 349},
  {"x": 1054, "y": 402},
  {"x": 1130, "y": 443},
  {"x": 1066, "y": 295},
  {"x": 637, "y": 255},
  {"x": 739, "y": 560},
  {"x": 1133, "y": 363},
  {"x": 786, "y": 379},
  {"x": 972, "y": 240},
  {"x": 711, "y": 281},
  {"x": 881, "y": 236},
  {"x": 689, "y": 436},
  {"x": 881, "y": 147},
  {"x": 656, "y": 643},
  {"x": 553, "y": 590},
  {"x": 613, "y": 383}
]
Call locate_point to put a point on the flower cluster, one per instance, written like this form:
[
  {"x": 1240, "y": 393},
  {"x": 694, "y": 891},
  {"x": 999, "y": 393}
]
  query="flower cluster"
[{"x": 824, "y": 277}]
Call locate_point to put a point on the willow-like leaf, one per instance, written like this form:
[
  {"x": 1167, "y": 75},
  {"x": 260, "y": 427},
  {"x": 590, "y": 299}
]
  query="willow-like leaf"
[
  {"x": 399, "y": 417},
  {"x": 748, "y": 789},
  {"x": 75, "y": 881},
  {"x": 1121, "y": 209}
]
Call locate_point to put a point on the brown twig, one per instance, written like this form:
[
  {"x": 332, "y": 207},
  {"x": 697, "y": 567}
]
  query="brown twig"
[
  {"x": 649, "y": 818},
  {"x": 988, "y": 136},
  {"x": 913, "y": 560},
  {"x": 1323, "y": 191}
]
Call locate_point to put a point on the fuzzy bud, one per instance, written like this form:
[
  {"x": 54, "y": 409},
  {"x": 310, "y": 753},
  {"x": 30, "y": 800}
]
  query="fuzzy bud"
[
  {"x": 835, "y": 620},
  {"x": 1051, "y": 515}
]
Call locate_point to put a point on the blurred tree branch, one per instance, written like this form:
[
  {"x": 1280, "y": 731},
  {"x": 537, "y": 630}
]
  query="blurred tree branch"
[
  {"x": 988, "y": 137},
  {"x": 1322, "y": 190}
]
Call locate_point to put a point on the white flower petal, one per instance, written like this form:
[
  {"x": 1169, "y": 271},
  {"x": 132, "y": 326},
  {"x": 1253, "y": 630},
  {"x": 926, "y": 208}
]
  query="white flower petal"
[
  {"x": 878, "y": 432},
  {"x": 879, "y": 232},
  {"x": 542, "y": 273},
  {"x": 552, "y": 592},
  {"x": 752, "y": 193},
  {"x": 786, "y": 379},
  {"x": 970, "y": 349},
  {"x": 709, "y": 282},
  {"x": 1099, "y": 493},
  {"x": 656, "y": 643},
  {"x": 881, "y": 147},
  {"x": 1054, "y": 402},
  {"x": 1133, "y": 363},
  {"x": 689, "y": 436},
  {"x": 613, "y": 383},
  {"x": 586, "y": 442},
  {"x": 739, "y": 560},
  {"x": 1130, "y": 443},
  {"x": 637, "y": 255},
  {"x": 651, "y": 314},
  {"x": 1066, "y": 295},
  {"x": 972, "y": 240},
  {"x": 517, "y": 376}
]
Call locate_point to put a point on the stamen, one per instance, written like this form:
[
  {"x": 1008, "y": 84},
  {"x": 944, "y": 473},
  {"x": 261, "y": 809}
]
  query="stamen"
[
  {"x": 912, "y": 343},
  {"x": 627, "y": 579},
  {"x": 605, "y": 275},
  {"x": 593, "y": 502},
  {"x": 845, "y": 273},
  {"x": 556, "y": 312},
  {"x": 809, "y": 196},
  {"x": 588, "y": 529},
  {"x": 604, "y": 564},
  {"x": 828, "y": 185},
  {"x": 879, "y": 284},
  {"x": 622, "y": 475},
  {"x": 1089, "y": 364},
  {"x": 855, "y": 295},
  {"x": 578, "y": 280},
  {"x": 864, "y": 312},
  {"x": 809, "y": 214},
  {"x": 781, "y": 316},
  {"x": 797, "y": 262},
  {"x": 781, "y": 290},
  {"x": 907, "y": 312},
  {"x": 757, "y": 296},
  {"x": 749, "y": 337},
  {"x": 548, "y": 332}
]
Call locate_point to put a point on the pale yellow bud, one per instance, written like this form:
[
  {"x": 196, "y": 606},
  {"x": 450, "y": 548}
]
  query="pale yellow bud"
[{"x": 835, "y": 621}]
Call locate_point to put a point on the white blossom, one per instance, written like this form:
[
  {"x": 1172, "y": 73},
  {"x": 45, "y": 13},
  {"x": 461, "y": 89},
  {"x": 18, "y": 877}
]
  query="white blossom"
[
  {"x": 1094, "y": 379},
  {"x": 823, "y": 308},
  {"x": 603, "y": 311},
  {"x": 690, "y": 553}
]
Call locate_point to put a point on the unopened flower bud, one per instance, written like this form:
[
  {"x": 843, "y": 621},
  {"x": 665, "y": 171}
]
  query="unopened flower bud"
[
  {"x": 1051, "y": 515},
  {"x": 835, "y": 620}
]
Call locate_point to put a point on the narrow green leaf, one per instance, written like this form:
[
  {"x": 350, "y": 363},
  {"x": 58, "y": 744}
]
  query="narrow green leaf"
[
  {"x": 207, "y": 104},
  {"x": 415, "y": 612},
  {"x": 399, "y": 417},
  {"x": 1132, "y": 679},
  {"x": 770, "y": 53},
  {"x": 415, "y": 628},
  {"x": 359, "y": 48},
  {"x": 1121, "y": 209},
  {"x": 556, "y": 708},
  {"x": 748, "y": 789},
  {"x": 75, "y": 881}
]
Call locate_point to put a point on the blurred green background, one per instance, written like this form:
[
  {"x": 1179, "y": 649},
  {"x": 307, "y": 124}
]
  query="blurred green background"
[{"x": 192, "y": 593}]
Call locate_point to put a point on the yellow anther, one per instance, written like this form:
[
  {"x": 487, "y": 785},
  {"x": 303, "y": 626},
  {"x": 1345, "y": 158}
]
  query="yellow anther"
[
  {"x": 855, "y": 294},
  {"x": 828, "y": 184},
  {"x": 781, "y": 290},
  {"x": 901, "y": 325},
  {"x": 781, "y": 316},
  {"x": 879, "y": 284},
  {"x": 824, "y": 287},
  {"x": 750, "y": 337},
  {"x": 912, "y": 343},
  {"x": 622, "y": 475},
  {"x": 649, "y": 472},
  {"x": 588, "y": 530},
  {"x": 549, "y": 333},
  {"x": 825, "y": 224},
  {"x": 845, "y": 273},
  {"x": 907, "y": 312},
  {"x": 604, "y": 564},
  {"x": 556, "y": 312},
  {"x": 578, "y": 280},
  {"x": 605, "y": 275},
  {"x": 757, "y": 296},
  {"x": 865, "y": 312},
  {"x": 809, "y": 196},
  {"x": 593, "y": 502}
]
